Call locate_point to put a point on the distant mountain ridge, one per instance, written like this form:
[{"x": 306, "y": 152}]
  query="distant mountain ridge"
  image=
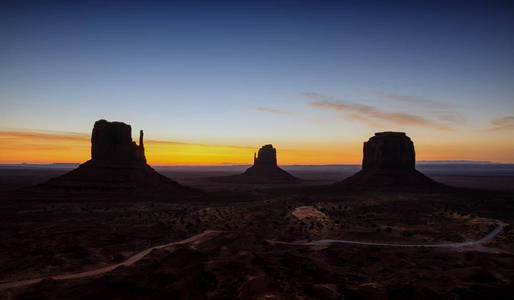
[
  {"x": 474, "y": 162},
  {"x": 51, "y": 165}
]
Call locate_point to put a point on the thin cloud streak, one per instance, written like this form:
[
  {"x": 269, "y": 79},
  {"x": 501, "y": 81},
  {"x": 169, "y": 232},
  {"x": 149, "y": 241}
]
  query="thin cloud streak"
[
  {"x": 13, "y": 136},
  {"x": 53, "y": 140},
  {"x": 444, "y": 111},
  {"x": 289, "y": 113},
  {"x": 505, "y": 123},
  {"x": 371, "y": 115},
  {"x": 453, "y": 118},
  {"x": 416, "y": 100},
  {"x": 271, "y": 110},
  {"x": 34, "y": 147},
  {"x": 65, "y": 136}
]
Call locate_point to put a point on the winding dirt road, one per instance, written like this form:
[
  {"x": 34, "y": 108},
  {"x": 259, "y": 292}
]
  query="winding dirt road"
[
  {"x": 484, "y": 239},
  {"x": 204, "y": 235},
  {"x": 131, "y": 260}
]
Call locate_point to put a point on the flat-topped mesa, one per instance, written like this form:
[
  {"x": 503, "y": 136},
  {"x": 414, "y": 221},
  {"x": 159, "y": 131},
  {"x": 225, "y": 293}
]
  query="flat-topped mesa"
[
  {"x": 389, "y": 163},
  {"x": 267, "y": 156},
  {"x": 389, "y": 151},
  {"x": 112, "y": 141}
]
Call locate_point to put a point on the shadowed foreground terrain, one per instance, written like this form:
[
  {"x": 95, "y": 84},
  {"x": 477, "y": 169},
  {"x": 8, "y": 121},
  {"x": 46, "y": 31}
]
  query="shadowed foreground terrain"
[{"x": 48, "y": 233}]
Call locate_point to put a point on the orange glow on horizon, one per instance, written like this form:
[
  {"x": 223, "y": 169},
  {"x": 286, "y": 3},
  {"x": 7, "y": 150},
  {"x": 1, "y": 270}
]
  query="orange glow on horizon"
[{"x": 50, "y": 147}]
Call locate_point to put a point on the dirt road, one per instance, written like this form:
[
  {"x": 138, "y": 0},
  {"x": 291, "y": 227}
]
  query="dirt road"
[
  {"x": 486, "y": 238},
  {"x": 131, "y": 260}
]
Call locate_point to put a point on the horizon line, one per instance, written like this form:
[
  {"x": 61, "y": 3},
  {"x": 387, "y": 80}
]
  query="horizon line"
[{"x": 249, "y": 164}]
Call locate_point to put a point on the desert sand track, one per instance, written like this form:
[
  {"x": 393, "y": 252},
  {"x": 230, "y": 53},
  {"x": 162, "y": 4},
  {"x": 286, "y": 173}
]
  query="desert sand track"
[
  {"x": 203, "y": 236},
  {"x": 486, "y": 238},
  {"x": 131, "y": 260}
]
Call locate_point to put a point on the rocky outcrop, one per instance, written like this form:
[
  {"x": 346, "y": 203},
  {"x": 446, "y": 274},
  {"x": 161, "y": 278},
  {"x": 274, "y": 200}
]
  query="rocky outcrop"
[
  {"x": 388, "y": 162},
  {"x": 389, "y": 151},
  {"x": 112, "y": 141},
  {"x": 267, "y": 156},
  {"x": 264, "y": 170},
  {"x": 117, "y": 163}
]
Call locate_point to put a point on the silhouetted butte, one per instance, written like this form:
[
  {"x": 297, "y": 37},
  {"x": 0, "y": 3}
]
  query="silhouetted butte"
[
  {"x": 112, "y": 141},
  {"x": 264, "y": 170},
  {"x": 389, "y": 162},
  {"x": 117, "y": 163}
]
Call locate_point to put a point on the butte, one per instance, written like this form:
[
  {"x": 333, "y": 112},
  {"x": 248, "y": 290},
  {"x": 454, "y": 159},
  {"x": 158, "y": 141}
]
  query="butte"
[
  {"x": 264, "y": 170},
  {"x": 389, "y": 162},
  {"x": 117, "y": 163}
]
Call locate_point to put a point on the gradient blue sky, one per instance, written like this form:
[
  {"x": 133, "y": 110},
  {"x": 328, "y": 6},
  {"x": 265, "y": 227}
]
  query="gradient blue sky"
[{"x": 294, "y": 74}]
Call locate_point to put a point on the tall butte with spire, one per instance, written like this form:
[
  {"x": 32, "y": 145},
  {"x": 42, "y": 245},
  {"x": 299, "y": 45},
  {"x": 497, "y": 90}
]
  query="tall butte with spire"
[
  {"x": 264, "y": 170},
  {"x": 112, "y": 142},
  {"x": 117, "y": 163}
]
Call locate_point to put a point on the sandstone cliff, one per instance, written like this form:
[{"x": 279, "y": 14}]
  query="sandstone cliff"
[
  {"x": 389, "y": 151},
  {"x": 388, "y": 162},
  {"x": 112, "y": 141},
  {"x": 117, "y": 163}
]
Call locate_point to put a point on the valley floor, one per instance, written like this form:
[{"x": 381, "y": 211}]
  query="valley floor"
[{"x": 45, "y": 234}]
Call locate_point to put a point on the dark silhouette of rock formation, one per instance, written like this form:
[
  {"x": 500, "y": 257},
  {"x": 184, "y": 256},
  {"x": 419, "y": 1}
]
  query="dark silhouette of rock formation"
[
  {"x": 117, "y": 163},
  {"x": 264, "y": 170},
  {"x": 112, "y": 141},
  {"x": 267, "y": 156},
  {"x": 388, "y": 162},
  {"x": 389, "y": 151}
]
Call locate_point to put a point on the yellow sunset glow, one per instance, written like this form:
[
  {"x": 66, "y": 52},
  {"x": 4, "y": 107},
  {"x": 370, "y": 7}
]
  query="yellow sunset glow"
[{"x": 51, "y": 147}]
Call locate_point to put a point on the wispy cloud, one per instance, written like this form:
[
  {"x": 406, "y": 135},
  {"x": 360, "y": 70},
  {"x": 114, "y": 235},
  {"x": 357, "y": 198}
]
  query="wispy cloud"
[
  {"x": 416, "y": 100},
  {"x": 505, "y": 123},
  {"x": 451, "y": 117},
  {"x": 371, "y": 115},
  {"x": 38, "y": 135},
  {"x": 15, "y": 147},
  {"x": 51, "y": 137},
  {"x": 270, "y": 110}
]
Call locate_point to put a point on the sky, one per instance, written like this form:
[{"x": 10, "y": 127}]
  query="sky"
[{"x": 211, "y": 82}]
